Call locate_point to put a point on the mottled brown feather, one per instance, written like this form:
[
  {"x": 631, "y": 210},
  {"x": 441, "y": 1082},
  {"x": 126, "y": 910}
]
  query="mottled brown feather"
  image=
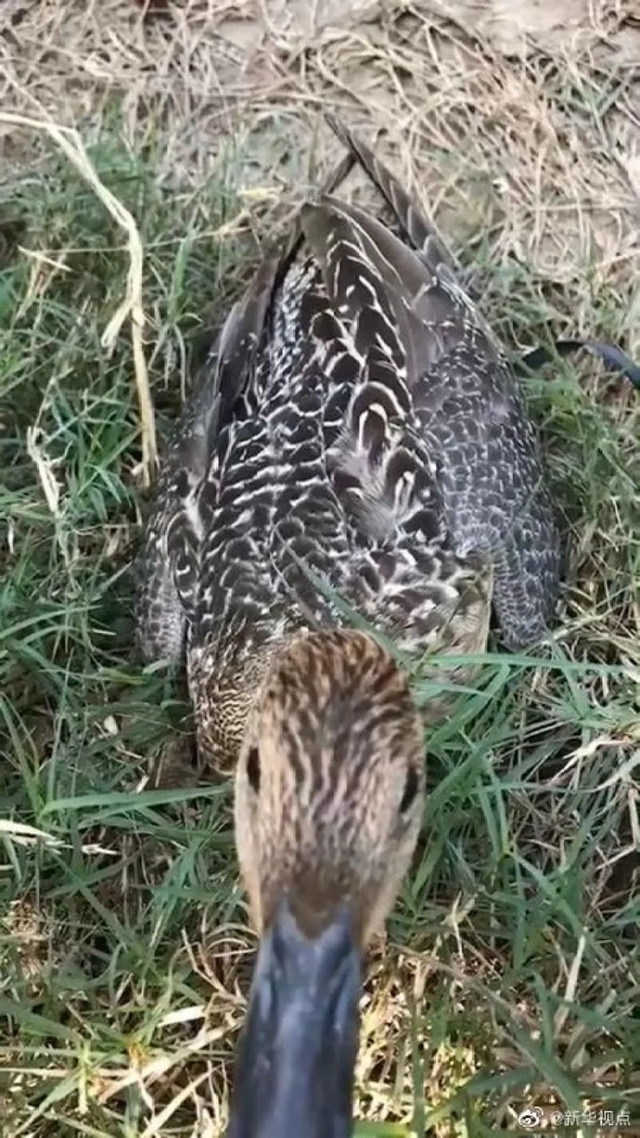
[{"x": 364, "y": 436}]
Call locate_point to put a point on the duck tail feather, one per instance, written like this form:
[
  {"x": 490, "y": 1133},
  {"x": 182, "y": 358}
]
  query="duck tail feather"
[{"x": 421, "y": 234}]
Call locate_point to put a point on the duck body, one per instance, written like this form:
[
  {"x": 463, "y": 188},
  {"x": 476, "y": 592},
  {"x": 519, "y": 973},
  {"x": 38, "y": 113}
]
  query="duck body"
[{"x": 363, "y": 435}]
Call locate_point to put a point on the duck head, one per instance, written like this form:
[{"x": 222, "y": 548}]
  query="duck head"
[{"x": 329, "y": 796}]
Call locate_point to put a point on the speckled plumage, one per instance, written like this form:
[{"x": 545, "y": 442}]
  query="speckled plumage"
[{"x": 360, "y": 431}]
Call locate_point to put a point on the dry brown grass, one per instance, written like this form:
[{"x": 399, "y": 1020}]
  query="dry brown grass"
[
  {"x": 559, "y": 117},
  {"x": 525, "y": 148}
]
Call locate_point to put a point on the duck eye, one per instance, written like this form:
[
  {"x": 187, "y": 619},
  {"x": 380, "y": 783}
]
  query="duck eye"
[
  {"x": 410, "y": 789},
  {"x": 253, "y": 769}
]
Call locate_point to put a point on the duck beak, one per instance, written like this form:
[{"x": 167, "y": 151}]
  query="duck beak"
[{"x": 295, "y": 1066}]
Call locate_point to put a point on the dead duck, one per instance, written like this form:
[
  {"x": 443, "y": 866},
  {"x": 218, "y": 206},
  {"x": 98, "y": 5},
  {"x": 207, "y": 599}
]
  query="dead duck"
[{"x": 361, "y": 434}]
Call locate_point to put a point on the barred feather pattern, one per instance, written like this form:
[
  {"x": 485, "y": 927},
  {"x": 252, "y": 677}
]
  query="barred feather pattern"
[{"x": 363, "y": 435}]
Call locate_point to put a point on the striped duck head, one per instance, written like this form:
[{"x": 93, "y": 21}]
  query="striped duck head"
[{"x": 329, "y": 797}]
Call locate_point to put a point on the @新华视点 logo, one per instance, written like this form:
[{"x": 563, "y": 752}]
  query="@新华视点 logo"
[{"x": 531, "y": 1117}]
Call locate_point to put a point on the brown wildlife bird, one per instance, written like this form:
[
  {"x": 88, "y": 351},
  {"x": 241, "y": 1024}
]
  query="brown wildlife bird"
[{"x": 360, "y": 442}]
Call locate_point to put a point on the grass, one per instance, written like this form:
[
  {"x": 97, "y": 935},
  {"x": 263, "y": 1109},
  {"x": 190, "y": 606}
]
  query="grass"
[{"x": 510, "y": 975}]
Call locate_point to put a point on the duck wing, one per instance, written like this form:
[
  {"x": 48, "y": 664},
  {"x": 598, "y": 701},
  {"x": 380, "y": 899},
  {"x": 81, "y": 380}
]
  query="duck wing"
[
  {"x": 167, "y": 567},
  {"x": 377, "y": 307},
  {"x": 474, "y": 421}
]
